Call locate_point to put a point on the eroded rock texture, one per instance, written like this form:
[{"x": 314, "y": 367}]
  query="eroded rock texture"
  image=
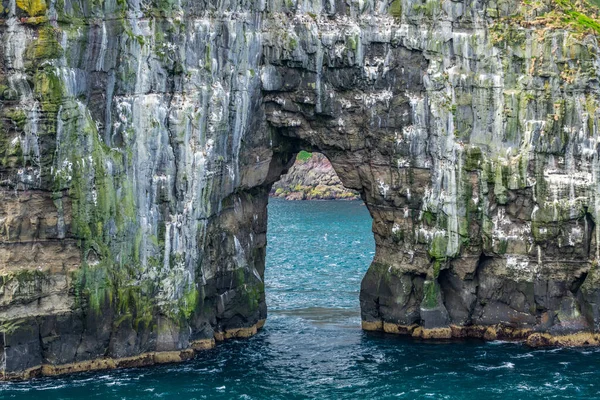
[{"x": 139, "y": 141}]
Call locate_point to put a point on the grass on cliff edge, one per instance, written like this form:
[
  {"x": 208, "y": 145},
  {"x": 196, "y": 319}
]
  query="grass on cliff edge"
[
  {"x": 582, "y": 16},
  {"x": 303, "y": 156}
]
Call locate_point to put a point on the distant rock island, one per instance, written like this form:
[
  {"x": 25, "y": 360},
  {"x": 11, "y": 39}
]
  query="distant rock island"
[{"x": 312, "y": 178}]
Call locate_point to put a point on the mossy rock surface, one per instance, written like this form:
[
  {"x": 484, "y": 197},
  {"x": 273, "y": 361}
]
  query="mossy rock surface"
[{"x": 33, "y": 8}]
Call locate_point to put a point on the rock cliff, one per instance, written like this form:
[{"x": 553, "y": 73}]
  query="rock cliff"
[
  {"x": 312, "y": 177},
  {"x": 139, "y": 140}
]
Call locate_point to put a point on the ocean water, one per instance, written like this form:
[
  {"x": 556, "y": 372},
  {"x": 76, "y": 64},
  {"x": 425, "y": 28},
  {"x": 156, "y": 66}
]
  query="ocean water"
[{"x": 312, "y": 345}]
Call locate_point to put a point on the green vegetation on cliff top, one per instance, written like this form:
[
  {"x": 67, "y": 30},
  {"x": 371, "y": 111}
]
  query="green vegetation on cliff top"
[
  {"x": 581, "y": 16},
  {"x": 303, "y": 156}
]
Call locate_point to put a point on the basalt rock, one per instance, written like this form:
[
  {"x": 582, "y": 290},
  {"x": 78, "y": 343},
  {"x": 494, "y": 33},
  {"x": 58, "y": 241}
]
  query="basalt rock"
[{"x": 139, "y": 140}]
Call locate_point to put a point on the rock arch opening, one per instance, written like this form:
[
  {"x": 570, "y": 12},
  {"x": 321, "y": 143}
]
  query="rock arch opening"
[{"x": 317, "y": 251}]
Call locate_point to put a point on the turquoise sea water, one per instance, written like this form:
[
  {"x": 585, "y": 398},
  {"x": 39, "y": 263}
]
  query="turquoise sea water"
[{"x": 312, "y": 345}]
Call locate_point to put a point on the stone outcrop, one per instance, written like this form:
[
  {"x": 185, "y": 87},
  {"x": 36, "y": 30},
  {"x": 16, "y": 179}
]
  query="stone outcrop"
[
  {"x": 312, "y": 177},
  {"x": 139, "y": 140}
]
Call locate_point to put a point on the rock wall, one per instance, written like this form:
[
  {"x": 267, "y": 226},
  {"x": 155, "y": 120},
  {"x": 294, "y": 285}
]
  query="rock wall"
[
  {"x": 139, "y": 140},
  {"x": 312, "y": 177}
]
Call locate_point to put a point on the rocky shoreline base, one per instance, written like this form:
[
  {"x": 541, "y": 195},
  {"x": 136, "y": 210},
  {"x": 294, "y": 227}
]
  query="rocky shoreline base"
[
  {"x": 488, "y": 333},
  {"x": 141, "y": 360}
]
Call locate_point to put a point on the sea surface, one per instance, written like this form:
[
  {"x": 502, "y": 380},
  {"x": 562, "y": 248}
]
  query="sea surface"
[{"x": 312, "y": 345}]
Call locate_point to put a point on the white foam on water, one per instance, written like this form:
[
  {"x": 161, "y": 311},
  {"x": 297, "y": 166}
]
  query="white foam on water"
[
  {"x": 554, "y": 386},
  {"x": 526, "y": 355},
  {"x": 115, "y": 383},
  {"x": 524, "y": 387},
  {"x": 52, "y": 387},
  {"x": 497, "y": 342},
  {"x": 504, "y": 365}
]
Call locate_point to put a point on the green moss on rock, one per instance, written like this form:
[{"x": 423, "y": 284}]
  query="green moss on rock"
[
  {"x": 33, "y": 8},
  {"x": 438, "y": 247},
  {"x": 395, "y": 9},
  {"x": 188, "y": 304},
  {"x": 431, "y": 291}
]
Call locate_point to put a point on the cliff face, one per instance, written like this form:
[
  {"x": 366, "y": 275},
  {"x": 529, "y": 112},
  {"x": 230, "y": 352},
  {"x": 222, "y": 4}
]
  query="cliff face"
[
  {"x": 312, "y": 177},
  {"x": 139, "y": 141}
]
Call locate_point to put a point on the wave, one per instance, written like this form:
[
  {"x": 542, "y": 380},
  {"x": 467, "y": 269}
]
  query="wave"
[
  {"x": 504, "y": 365},
  {"x": 320, "y": 315},
  {"x": 526, "y": 355}
]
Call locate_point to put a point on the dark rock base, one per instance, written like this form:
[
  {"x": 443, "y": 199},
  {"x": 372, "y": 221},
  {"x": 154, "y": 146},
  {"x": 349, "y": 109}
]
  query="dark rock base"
[
  {"x": 489, "y": 333},
  {"x": 141, "y": 360}
]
